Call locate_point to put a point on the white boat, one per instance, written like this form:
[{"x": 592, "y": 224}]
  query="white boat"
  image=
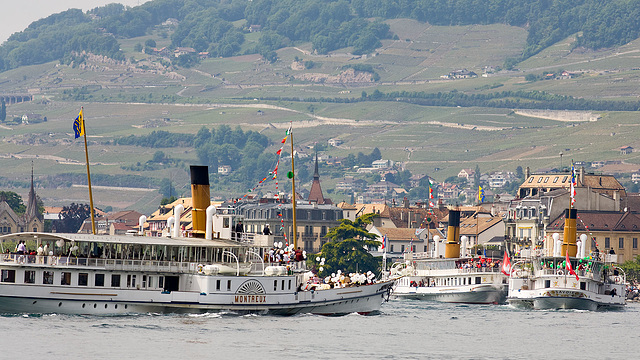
[
  {"x": 449, "y": 280},
  {"x": 102, "y": 274},
  {"x": 455, "y": 278},
  {"x": 544, "y": 283},
  {"x": 573, "y": 281}
]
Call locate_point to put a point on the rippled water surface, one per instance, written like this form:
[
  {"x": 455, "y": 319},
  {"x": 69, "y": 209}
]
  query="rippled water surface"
[{"x": 405, "y": 329}]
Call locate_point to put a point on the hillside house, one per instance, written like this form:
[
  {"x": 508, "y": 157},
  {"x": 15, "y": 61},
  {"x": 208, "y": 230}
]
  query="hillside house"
[
  {"x": 224, "y": 169},
  {"x": 466, "y": 173},
  {"x": 382, "y": 164},
  {"x": 626, "y": 150},
  {"x": 179, "y": 51}
]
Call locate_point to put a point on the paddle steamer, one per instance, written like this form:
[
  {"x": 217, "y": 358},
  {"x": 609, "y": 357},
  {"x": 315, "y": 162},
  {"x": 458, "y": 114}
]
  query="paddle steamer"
[{"x": 211, "y": 271}]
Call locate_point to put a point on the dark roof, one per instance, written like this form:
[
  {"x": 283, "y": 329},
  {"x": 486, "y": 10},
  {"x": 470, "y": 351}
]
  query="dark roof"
[{"x": 600, "y": 221}]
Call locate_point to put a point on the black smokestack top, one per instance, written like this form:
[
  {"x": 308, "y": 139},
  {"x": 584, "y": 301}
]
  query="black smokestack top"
[
  {"x": 571, "y": 213},
  {"x": 199, "y": 175},
  {"x": 454, "y": 218}
]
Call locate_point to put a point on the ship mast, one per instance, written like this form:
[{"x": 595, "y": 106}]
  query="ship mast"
[{"x": 293, "y": 198}]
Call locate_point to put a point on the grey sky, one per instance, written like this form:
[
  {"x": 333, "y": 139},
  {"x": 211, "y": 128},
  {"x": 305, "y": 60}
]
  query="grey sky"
[{"x": 17, "y": 15}]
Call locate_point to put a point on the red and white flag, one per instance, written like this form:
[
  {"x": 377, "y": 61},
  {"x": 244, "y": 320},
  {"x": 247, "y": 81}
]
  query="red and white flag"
[
  {"x": 506, "y": 264},
  {"x": 570, "y": 268}
]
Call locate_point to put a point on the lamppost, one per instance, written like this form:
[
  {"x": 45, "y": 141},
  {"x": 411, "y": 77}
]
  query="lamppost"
[{"x": 560, "y": 160}]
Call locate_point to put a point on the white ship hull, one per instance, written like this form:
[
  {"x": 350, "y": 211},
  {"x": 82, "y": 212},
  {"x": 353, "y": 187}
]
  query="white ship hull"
[
  {"x": 468, "y": 294},
  {"x": 329, "y": 302},
  {"x": 75, "y": 300},
  {"x": 558, "y": 298}
]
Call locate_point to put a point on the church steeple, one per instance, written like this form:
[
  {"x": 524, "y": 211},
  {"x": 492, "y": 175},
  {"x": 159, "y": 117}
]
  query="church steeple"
[
  {"x": 32, "y": 202},
  {"x": 316, "y": 175},
  {"x": 316, "y": 191}
]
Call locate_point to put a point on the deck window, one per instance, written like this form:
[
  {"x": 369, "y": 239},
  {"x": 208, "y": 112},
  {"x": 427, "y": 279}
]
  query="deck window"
[
  {"x": 547, "y": 283},
  {"x": 131, "y": 281},
  {"x": 99, "y": 280},
  {"x": 8, "y": 276},
  {"x": 275, "y": 285},
  {"x": 83, "y": 279},
  {"x": 29, "y": 277},
  {"x": 47, "y": 277},
  {"x": 65, "y": 278},
  {"x": 478, "y": 280},
  {"x": 228, "y": 285},
  {"x": 218, "y": 285},
  {"x": 161, "y": 282},
  {"x": 115, "y": 280}
]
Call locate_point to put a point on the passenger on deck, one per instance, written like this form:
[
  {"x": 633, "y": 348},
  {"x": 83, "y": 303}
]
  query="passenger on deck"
[
  {"x": 266, "y": 230},
  {"x": 40, "y": 253}
]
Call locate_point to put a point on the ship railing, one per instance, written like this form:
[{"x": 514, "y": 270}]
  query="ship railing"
[
  {"x": 470, "y": 270},
  {"x": 107, "y": 264},
  {"x": 581, "y": 273}
]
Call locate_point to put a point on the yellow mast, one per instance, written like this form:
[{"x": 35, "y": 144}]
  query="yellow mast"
[
  {"x": 293, "y": 198},
  {"x": 86, "y": 155}
]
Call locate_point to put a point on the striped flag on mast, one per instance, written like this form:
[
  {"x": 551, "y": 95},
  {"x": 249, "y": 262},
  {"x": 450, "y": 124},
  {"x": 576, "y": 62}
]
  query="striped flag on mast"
[
  {"x": 574, "y": 183},
  {"x": 431, "y": 204}
]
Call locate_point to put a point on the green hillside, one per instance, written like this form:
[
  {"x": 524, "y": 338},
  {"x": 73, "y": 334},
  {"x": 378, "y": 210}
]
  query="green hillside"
[{"x": 326, "y": 96}]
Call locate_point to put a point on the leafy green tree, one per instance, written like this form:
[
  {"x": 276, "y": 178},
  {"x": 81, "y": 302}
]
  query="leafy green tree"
[
  {"x": 71, "y": 217},
  {"x": 169, "y": 200},
  {"x": 159, "y": 157},
  {"x": 14, "y": 200},
  {"x": 348, "y": 248},
  {"x": 632, "y": 269},
  {"x": 3, "y": 111},
  {"x": 150, "y": 43}
]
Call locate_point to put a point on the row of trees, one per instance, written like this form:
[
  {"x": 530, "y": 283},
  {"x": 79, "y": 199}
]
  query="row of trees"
[{"x": 519, "y": 99}]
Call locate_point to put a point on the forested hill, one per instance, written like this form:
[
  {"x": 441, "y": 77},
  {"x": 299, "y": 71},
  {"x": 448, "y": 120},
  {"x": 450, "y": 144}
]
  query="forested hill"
[{"x": 213, "y": 25}]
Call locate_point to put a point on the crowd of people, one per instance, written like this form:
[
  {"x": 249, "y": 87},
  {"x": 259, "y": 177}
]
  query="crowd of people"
[
  {"x": 483, "y": 263},
  {"x": 284, "y": 255}
]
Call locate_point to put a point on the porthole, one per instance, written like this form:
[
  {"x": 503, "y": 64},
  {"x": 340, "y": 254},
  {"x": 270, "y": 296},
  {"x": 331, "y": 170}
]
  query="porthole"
[
  {"x": 116, "y": 306},
  {"x": 34, "y": 302},
  {"x": 83, "y": 305},
  {"x": 59, "y": 304},
  {"x": 105, "y": 306},
  {"x": 95, "y": 306},
  {"x": 126, "y": 306}
]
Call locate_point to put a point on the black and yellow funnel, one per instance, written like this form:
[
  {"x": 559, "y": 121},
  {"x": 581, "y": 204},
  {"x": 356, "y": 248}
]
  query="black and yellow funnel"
[
  {"x": 569, "y": 237},
  {"x": 452, "y": 247},
  {"x": 200, "y": 198}
]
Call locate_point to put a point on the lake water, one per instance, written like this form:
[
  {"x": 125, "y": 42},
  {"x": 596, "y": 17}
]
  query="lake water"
[{"x": 406, "y": 329}]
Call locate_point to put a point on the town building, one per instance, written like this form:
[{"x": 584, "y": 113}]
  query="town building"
[
  {"x": 31, "y": 220},
  {"x": 612, "y": 232}
]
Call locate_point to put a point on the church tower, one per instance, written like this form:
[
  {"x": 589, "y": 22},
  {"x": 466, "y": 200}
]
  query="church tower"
[
  {"x": 315, "y": 195},
  {"x": 33, "y": 220}
]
